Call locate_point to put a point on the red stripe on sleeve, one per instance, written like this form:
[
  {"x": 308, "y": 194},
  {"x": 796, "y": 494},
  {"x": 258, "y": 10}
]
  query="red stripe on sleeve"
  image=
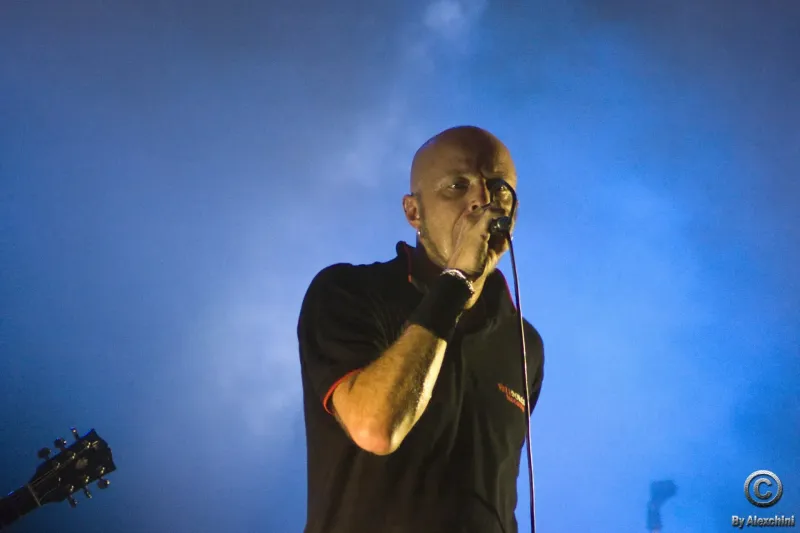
[{"x": 333, "y": 388}]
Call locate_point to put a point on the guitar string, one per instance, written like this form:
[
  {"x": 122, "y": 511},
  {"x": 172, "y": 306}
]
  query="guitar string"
[
  {"x": 59, "y": 467},
  {"x": 30, "y": 486}
]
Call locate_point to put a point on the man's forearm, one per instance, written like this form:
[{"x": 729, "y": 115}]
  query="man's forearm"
[
  {"x": 379, "y": 405},
  {"x": 388, "y": 397}
]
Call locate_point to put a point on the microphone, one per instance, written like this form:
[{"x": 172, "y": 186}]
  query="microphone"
[{"x": 502, "y": 225}]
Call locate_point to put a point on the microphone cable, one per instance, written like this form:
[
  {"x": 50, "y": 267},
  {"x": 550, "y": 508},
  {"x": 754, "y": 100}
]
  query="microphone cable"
[{"x": 502, "y": 226}]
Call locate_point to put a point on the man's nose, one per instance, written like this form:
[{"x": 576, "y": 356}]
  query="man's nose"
[{"x": 480, "y": 196}]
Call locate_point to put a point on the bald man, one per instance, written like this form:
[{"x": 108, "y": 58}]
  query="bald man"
[{"x": 413, "y": 396}]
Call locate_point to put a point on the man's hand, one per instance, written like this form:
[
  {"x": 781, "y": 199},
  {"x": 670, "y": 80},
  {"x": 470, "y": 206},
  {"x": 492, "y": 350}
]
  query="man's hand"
[{"x": 471, "y": 241}]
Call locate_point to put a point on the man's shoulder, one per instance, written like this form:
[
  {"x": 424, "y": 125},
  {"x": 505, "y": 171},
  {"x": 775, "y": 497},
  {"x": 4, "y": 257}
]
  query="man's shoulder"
[{"x": 354, "y": 278}]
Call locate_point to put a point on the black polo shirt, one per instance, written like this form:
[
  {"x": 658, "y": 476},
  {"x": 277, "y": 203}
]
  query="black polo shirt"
[{"x": 456, "y": 471}]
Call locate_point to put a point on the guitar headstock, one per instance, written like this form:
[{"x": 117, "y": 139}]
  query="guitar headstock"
[{"x": 75, "y": 466}]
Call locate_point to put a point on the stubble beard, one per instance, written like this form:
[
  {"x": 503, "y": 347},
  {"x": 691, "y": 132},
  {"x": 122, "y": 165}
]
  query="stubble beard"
[
  {"x": 431, "y": 250},
  {"x": 487, "y": 265}
]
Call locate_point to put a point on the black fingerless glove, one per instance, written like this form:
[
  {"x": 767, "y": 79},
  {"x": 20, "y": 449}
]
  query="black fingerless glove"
[{"x": 442, "y": 306}]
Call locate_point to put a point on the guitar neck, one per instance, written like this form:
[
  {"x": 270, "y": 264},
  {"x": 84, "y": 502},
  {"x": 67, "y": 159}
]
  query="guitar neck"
[{"x": 16, "y": 505}]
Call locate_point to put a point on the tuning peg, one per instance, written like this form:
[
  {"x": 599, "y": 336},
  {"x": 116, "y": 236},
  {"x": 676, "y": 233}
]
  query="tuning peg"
[
  {"x": 60, "y": 444},
  {"x": 100, "y": 471},
  {"x": 72, "y": 502},
  {"x": 44, "y": 453},
  {"x": 88, "y": 494},
  {"x": 103, "y": 483},
  {"x": 75, "y": 433}
]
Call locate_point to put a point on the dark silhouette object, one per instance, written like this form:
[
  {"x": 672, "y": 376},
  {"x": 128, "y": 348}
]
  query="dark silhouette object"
[{"x": 660, "y": 492}]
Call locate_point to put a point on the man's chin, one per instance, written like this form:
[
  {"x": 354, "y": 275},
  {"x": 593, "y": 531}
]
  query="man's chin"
[
  {"x": 496, "y": 252},
  {"x": 492, "y": 258},
  {"x": 497, "y": 245}
]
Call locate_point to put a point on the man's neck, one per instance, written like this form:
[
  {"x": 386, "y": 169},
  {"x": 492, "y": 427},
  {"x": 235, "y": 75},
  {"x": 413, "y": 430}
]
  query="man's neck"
[{"x": 423, "y": 267}]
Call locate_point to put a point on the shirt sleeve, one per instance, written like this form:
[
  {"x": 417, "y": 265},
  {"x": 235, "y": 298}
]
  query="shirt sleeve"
[
  {"x": 535, "y": 348},
  {"x": 339, "y": 330}
]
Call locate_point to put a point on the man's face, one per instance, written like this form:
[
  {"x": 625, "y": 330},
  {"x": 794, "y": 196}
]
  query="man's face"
[{"x": 455, "y": 176}]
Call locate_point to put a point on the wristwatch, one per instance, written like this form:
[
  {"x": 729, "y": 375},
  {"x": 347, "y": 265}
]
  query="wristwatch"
[{"x": 460, "y": 275}]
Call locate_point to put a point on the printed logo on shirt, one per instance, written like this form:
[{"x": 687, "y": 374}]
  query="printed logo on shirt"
[{"x": 512, "y": 396}]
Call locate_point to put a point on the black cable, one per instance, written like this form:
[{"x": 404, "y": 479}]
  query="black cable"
[
  {"x": 502, "y": 226},
  {"x": 524, "y": 354}
]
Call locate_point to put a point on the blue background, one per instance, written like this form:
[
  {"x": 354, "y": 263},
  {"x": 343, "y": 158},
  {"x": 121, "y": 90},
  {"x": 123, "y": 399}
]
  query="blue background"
[{"x": 173, "y": 174}]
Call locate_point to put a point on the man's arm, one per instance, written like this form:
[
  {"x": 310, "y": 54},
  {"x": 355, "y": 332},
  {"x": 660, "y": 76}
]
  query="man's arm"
[
  {"x": 379, "y": 405},
  {"x": 376, "y": 387}
]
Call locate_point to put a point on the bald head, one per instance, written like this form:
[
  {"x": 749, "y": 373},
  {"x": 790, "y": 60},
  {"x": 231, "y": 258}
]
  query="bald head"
[
  {"x": 465, "y": 149},
  {"x": 450, "y": 177}
]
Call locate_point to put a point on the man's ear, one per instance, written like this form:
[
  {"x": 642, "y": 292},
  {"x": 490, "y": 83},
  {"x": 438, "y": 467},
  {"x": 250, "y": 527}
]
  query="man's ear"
[{"x": 411, "y": 209}]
